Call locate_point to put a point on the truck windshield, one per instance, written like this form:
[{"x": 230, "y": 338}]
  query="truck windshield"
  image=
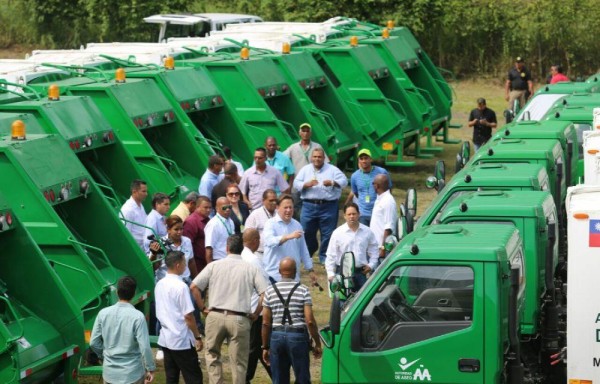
[{"x": 440, "y": 294}]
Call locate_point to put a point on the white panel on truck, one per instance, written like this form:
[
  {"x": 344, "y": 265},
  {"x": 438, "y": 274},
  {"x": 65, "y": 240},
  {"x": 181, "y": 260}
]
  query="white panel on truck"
[
  {"x": 583, "y": 311},
  {"x": 591, "y": 157}
]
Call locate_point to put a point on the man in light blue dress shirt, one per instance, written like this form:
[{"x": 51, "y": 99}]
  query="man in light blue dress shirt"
[
  {"x": 212, "y": 176},
  {"x": 120, "y": 339},
  {"x": 321, "y": 186},
  {"x": 283, "y": 236}
]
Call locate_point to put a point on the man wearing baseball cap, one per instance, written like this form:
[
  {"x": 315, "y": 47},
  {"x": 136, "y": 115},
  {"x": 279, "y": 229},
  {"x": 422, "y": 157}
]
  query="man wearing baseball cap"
[
  {"x": 361, "y": 183},
  {"x": 519, "y": 85}
]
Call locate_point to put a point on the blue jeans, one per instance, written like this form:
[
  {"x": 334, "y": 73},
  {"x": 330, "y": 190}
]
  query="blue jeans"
[
  {"x": 290, "y": 349},
  {"x": 321, "y": 217}
]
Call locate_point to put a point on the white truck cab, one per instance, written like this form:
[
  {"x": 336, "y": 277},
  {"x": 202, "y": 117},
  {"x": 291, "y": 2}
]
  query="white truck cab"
[{"x": 197, "y": 24}]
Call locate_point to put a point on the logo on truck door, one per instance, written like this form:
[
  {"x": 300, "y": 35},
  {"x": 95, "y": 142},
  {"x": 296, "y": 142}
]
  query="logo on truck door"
[{"x": 418, "y": 373}]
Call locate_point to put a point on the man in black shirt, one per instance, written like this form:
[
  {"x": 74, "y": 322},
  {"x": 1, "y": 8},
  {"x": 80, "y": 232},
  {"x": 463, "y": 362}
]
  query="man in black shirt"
[
  {"x": 482, "y": 119},
  {"x": 518, "y": 84}
]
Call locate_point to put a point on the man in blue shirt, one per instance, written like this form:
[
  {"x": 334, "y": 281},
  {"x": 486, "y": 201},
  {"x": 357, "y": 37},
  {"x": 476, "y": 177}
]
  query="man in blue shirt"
[
  {"x": 212, "y": 176},
  {"x": 321, "y": 186},
  {"x": 361, "y": 183},
  {"x": 120, "y": 338},
  {"x": 279, "y": 161}
]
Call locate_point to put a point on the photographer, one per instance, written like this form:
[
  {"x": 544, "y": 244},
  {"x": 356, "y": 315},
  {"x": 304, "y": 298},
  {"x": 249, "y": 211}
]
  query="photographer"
[{"x": 482, "y": 119}]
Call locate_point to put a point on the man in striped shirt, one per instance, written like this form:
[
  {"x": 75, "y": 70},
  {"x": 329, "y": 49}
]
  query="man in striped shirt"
[{"x": 287, "y": 322}]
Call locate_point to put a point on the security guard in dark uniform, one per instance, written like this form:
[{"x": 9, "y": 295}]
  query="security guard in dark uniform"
[{"x": 519, "y": 85}]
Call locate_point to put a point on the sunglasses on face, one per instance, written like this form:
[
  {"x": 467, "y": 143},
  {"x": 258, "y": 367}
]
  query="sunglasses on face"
[
  {"x": 225, "y": 207},
  {"x": 233, "y": 194}
]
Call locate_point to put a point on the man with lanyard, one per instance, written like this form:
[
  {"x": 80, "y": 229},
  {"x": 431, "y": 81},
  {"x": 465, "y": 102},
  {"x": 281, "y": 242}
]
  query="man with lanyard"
[
  {"x": 279, "y": 160},
  {"x": 288, "y": 320},
  {"x": 258, "y": 218},
  {"x": 361, "y": 183},
  {"x": 357, "y": 238},
  {"x": 218, "y": 229},
  {"x": 518, "y": 84},
  {"x": 259, "y": 178},
  {"x": 321, "y": 185},
  {"x": 133, "y": 211},
  {"x": 300, "y": 153}
]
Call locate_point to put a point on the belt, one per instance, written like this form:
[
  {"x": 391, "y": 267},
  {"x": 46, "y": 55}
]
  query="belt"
[
  {"x": 316, "y": 201},
  {"x": 289, "y": 329},
  {"x": 227, "y": 312}
]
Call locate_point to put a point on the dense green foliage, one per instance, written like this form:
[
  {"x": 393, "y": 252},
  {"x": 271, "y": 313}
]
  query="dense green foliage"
[{"x": 469, "y": 37}]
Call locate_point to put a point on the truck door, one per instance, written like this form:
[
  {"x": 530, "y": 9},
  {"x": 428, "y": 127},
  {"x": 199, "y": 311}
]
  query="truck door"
[{"x": 423, "y": 324}]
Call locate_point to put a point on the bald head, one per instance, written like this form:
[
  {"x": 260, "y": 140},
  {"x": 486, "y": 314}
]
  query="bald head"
[
  {"x": 381, "y": 183},
  {"x": 223, "y": 207},
  {"x": 287, "y": 267},
  {"x": 251, "y": 239}
]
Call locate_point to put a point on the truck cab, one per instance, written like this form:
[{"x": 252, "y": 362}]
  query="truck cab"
[
  {"x": 197, "y": 24},
  {"x": 498, "y": 176},
  {"x": 436, "y": 310}
]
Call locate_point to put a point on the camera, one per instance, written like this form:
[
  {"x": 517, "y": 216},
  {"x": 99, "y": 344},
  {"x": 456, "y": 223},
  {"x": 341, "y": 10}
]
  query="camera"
[{"x": 166, "y": 243}]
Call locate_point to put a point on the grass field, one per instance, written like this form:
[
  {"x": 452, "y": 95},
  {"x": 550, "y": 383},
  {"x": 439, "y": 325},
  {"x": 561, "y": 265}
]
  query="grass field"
[{"x": 466, "y": 94}]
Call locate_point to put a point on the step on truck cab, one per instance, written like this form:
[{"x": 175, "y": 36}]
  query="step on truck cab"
[{"x": 444, "y": 307}]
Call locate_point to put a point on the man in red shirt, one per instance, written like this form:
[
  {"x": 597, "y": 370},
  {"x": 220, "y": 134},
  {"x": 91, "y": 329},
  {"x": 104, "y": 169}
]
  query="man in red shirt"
[
  {"x": 193, "y": 227},
  {"x": 557, "y": 74}
]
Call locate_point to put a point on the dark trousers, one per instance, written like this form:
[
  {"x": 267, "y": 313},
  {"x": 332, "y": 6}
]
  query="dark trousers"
[
  {"x": 184, "y": 361},
  {"x": 255, "y": 350},
  {"x": 290, "y": 349}
]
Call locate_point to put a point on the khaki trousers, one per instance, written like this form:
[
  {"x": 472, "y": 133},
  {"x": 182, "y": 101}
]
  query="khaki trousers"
[
  {"x": 514, "y": 95},
  {"x": 237, "y": 330}
]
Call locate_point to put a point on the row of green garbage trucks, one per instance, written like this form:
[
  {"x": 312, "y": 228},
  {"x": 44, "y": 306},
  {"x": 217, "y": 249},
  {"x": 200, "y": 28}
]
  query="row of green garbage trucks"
[
  {"x": 477, "y": 289},
  {"x": 77, "y": 126},
  {"x": 474, "y": 293}
]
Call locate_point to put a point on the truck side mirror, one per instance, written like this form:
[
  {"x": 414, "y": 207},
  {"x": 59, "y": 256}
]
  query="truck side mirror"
[
  {"x": 411, "y": 202},
  {"x": 508, "y": 115},
  {"x": 347, "y": 268}
]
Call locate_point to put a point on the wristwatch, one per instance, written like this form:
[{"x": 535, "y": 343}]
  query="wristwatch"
[
  {"x": 198, "y": 337},
  {"x": 265, "y": 348},
  {"x": 381, "y": 247}
]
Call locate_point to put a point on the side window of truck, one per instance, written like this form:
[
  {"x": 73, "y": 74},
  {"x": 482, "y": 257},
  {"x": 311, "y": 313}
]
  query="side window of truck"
[{"x": 417, "y": 303}]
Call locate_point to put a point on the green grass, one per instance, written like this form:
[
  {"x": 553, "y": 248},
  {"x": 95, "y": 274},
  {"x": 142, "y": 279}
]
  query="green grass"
[{"x": 467, "y": 92}]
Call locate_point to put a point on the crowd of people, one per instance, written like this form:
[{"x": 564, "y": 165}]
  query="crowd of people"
[{"x": 227, "y": 264}]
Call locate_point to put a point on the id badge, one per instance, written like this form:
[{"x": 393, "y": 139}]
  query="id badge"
[{"x": 367, "y": 198}]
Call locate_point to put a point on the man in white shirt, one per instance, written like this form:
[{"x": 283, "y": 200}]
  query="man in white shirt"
[
  {"x": 259, "y": 217},
  {"x": 353, "y": 237},
  {"x": 251, "y": 241},
  {"x": 179, "y": 336},
  {"x": 385, "y": 212},
  {"x": 217, "y": 230},
  {"x": 321, "y": 186},
  {"x": 133, "y": 211}
]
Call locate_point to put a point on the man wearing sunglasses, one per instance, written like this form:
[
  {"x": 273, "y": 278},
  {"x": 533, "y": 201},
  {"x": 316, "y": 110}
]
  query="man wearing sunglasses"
[{"x": 218, "y": 229}]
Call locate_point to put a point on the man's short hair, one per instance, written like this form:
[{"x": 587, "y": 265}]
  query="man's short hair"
[
  {"x": 261, "y": 149},
  {"x": 137, "y": 184},
  {"x": 230, "y": 169},
  {"x": 351, "y": 205},
  {"x": 227, "y": 152},
  {"x": 481, "y": 100},
  {"x": 267, "y": 192},
  {"x": 202, "y": 198},
  {"x": 126, "y": 287},
  {"x": 284, "y": 197},
  {"x": 158, "y": 198},
  {"x": 191, "y": 197},
  {"x": 214, "y": 160},
  {"x": 173, "y": 257},
  {"x": 558, "y": 68},
  {"x": 235, "y": 244},
  {"x": 318, "y": 150}
]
